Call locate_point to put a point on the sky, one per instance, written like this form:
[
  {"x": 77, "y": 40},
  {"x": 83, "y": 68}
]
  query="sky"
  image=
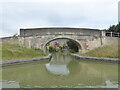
[
  {"x": 16, "y": 14},
  {"x": 119, "y": 11}
]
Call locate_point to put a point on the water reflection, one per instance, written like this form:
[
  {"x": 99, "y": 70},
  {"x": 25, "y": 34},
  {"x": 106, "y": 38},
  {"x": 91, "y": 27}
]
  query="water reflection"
[
  {"x": 57, "y": 69},
  {"x": 62, "y": 71},
  {"x": 58, "y": 64}
]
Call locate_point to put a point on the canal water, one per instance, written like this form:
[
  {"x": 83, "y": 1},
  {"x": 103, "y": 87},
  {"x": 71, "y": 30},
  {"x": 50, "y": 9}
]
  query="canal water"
[{"x": 62, "y": 71}]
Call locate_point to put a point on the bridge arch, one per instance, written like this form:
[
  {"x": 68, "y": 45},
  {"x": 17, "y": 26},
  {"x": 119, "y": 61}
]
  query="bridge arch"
[{"x": 79, "y": 44}]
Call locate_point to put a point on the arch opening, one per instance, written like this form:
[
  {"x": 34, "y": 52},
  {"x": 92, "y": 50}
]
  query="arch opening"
[{"x": 63, "y": 44}]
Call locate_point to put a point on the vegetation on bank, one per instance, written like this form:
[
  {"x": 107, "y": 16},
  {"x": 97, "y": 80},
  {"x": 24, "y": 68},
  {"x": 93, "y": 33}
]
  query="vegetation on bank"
[
  {"x": 14, "y": 51},
  {"x": 72, "y": 46},
  {"x": 57, "y": 47},
  {"x": 114, "y": 28},
  {"x": 108, "y": 51}
]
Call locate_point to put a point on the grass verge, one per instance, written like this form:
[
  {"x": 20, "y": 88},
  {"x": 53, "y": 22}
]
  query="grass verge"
[
  {"x": 108, "y": 51},
  {"x": 14, "y": 51}
]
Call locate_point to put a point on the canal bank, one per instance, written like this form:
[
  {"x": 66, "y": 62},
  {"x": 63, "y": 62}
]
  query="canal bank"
[
  {"x": 50, "y": 56},
  {"x": 15, "y": 52},
  {"x": 105, "y": 53},
  {"x": 96, "y": 58},
  {"x": 25, "y": 60}
]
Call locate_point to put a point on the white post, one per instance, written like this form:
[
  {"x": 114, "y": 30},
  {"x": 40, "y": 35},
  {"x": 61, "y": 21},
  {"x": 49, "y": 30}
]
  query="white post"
[{"x": 111, "y": 34}]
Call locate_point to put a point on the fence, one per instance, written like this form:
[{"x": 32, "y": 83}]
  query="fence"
[{"x": 113, "y": 34}]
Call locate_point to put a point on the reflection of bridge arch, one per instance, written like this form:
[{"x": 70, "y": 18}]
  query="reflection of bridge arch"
[{"x": 79, "y": 44}]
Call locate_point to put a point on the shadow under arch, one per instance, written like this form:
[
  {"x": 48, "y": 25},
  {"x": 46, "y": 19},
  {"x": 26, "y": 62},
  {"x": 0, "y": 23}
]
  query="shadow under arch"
[{"x": 80, "y": 47}]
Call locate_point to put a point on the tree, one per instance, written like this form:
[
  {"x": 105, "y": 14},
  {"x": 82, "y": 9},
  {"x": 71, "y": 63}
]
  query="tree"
[
  {"x": 51, "y": 49},
  {"x": 114, "y": 28},
  {"x": 72, "y": 46},
  {"x": 15, "y": 35}
]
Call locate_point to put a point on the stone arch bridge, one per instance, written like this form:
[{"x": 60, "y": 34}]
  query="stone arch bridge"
[{"x": 86, "y": 39}]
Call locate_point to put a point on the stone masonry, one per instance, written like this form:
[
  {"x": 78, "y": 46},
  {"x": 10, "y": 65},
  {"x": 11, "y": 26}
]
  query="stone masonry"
[{"x": 86, "y": 39}]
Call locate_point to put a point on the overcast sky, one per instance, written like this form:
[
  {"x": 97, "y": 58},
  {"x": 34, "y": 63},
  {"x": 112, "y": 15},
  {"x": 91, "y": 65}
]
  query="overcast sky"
[
  {"x": 119, "y": 11},
  {"x": 98, "y": 14}
]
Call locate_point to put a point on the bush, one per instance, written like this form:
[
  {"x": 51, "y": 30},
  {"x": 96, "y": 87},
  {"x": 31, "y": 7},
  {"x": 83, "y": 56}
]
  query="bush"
[
  {"x": 51, "y": 49},
  {"x": 72, "y": 46}
]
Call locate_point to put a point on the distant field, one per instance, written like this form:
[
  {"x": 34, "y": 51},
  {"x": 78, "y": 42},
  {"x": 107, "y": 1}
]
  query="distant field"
[
  {"x": 14, "y": 51},
  {"x": 108, "y": 51}
]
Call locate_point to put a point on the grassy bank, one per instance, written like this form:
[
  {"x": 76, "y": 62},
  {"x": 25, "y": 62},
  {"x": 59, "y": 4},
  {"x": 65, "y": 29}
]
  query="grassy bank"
[
  {"x": 13, "y": 51},
  {"x": 108, "y": 51}
]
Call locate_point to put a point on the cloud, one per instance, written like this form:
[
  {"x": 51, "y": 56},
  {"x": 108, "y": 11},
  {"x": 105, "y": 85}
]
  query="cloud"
[{"x": 45, "y": 13}]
